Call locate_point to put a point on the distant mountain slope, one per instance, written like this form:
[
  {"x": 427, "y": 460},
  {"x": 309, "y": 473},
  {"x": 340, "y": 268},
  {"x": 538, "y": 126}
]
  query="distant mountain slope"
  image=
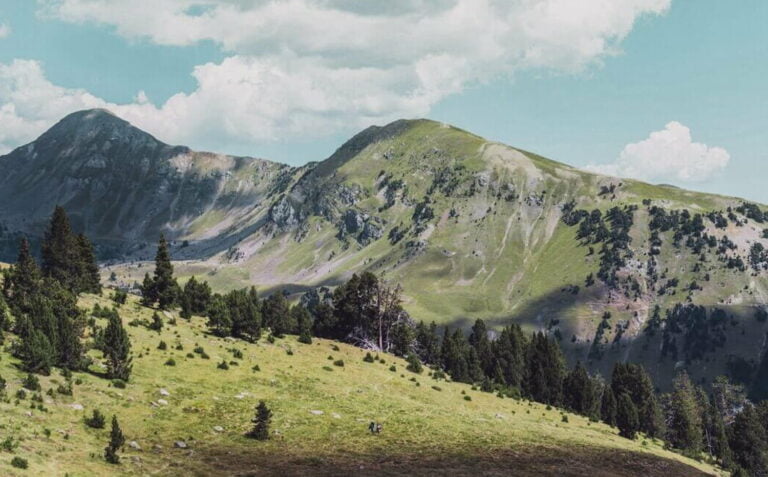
[{"x": 470, "y": 228}]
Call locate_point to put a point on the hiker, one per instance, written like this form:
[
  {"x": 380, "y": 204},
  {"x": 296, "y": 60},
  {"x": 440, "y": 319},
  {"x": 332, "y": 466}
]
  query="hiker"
[
  {"x": 372, "y": 427},
  {"x": 379, "y": 427}
]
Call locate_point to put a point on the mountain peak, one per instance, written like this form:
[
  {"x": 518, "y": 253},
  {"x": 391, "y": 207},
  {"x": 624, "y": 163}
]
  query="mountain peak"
[{"x": 96, "y": 126}]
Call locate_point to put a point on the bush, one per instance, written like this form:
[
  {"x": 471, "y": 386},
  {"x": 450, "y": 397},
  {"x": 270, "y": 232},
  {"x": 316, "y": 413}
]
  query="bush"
[
  {"x": 339, "y": 363},
  {"x": 368, "y": 358},
  {"x": 467, "y": 398},
  {"x": 237, "y": 353},
  {"x": 31, "y": 382},
  {"x": 393, "y": 368},
  {"x": 19, "y": 462},
  {"x": 162, "y": 345},
  {"x": 9, "y": 445},
  {"x": 223, "y": 365},
  {"x": 119, "y": 383},
  {"x": 96, "y": 421},
  {"x": 170, "y": 362},
  {"x": 414, "y": 365},
  {"x": 565, "y": 418}
]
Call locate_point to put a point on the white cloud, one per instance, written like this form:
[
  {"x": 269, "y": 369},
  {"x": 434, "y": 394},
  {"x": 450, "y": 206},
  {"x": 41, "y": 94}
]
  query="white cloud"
[
  {"x": 5, "y": 30},
  {"x": 669, "y": 155},
  {"x": 300, "y": 68}
]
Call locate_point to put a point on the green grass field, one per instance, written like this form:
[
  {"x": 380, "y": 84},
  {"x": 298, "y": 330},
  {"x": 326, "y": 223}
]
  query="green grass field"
[{"x": 321, "y": 415}]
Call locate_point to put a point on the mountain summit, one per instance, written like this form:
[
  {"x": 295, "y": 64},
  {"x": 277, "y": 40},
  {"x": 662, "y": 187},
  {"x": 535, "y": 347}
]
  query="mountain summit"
[{"x": 616, "y": 269}]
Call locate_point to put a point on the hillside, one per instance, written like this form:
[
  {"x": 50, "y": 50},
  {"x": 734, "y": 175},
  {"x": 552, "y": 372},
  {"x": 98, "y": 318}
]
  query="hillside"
[
  {"x": 470, "y": 228},
  {"x": 429, "y": 426}
]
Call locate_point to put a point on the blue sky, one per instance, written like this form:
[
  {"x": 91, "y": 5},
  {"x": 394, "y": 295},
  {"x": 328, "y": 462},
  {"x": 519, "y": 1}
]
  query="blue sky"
[{"x": 664, "y": 90}]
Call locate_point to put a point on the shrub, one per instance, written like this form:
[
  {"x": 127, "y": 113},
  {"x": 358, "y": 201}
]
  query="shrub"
[
  {"x": 467, "y": 397},
  {"x": 334, "y": 347},
  {"x": 118, "y": 383},
  {"x": 19, "y": 462},
  {"x": 9, "y": 445},
  {"x": 170, "y": 362},
  {"x": 339, "y": 363},
  {"x": 96, "y": 421},
  {"x": 31, "y": 382},
  {"x": 393, "y": 368},
  {"x": 237, "y": 353},
  {"x": 414, "y": 365},
  {"x": 565, "y": 418},
  {"x": 223, "y": 365},
  {"x": 255, "y": 368},
  {"x": 368, "y": 358},
  {"x": 21, "y": 394},
  {"x": 162, "y": 345}
]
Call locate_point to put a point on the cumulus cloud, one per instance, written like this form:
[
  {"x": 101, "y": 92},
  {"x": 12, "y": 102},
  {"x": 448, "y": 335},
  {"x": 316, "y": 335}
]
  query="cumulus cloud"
[
  {"x": 669, "y": 155},
  {"x": 5, "y": 30},
  {"x": 298, "y": 68}
]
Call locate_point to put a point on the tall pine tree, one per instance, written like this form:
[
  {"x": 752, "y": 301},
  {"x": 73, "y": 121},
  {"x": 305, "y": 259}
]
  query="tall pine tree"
[{"x": 117, "y": 348}]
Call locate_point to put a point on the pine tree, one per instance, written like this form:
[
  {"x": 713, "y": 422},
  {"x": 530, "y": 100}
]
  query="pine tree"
[
  {"x": 545, "y": 370},
  {"x": 89, "y": 280},
  {"x": 261, "y": 422},
  {"x": 608, "y": 407},
  {"x": 58, "y": 250},
  {"x": 510, "y": 353},
  {"x": 478, "y": 339},
  {"x": 148, "y": 291},
  {"x": 275, "y": 313},
  {"x": 36, "y": 352},
  {"x": 245, "y": 315},
  {"x": 580, "y": 392},
  {"x": 22, "y": 281},
  {"x": 166, "y": 288},
  {"x": 117, "y": 348},
  {"x": 428, "y": 343},
  {"x": 219, "y": 320},
  {"x": 626, "y": 417},
  {"x": 684, "y": 430},
  {"x": 747, "y": 439},
  {"x": 116, "y": 442},
  {"x": 303, "y": 323}
]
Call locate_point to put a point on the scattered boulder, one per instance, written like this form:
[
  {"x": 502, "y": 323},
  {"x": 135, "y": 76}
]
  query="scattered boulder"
[
  {"x": 180, "y": 445},
  {"x": 77, "y": 407},
  {"x": 134, "y": 445},
  {"x": 316, "y": 413},
  {"x": 218, "y": 429},
  {"x": 336, "y": 415},
  {"x": 164, "y": 392},
  {"x": 162, "y": 402}
]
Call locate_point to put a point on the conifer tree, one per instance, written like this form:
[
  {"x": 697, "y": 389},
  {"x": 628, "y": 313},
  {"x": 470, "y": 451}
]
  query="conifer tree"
[
  {"x": 58, "y": 250},
  {"x": 22, "y": 281},
  {"x": 261, "y": 422},
  {"x": 36, "y": 352},
  {"x": 275, "y": 313},
  {"x": 626, "y": 417},
  {"x": 219, "y": 320},
  {"x": 245, "y": 315},
  {"x": 580, "y": 392},
  {"x": 684, "y": 429},
  {"x": 478, "y": 339},
  {"x": 116, "y": 442},
  {"x": 608, "y": 407},
  {"x": 148, "y": 291},
  {"x": 303, "y": 323},
  {"x": 747, "y": 439},
  {"x": 510, "y": 353},
  {"x": 89, "y": 280},
  {"x": 117, "y": 348},
  {"x": 428, "y": 343},
  {"x": 545, "y": 370},
  {"x": 157, "y": 323},
  {"x": 166, "y": 288}
]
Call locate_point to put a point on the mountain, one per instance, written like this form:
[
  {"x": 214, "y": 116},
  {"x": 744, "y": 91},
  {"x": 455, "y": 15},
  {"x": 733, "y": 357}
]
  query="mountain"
[
  {"x": 616, "y": 269},
  {"x": 123, "y": 186}
]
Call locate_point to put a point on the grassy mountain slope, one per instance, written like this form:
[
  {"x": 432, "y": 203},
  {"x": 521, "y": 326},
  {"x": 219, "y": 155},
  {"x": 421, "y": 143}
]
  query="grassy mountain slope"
[
  {"x": 475, "y": 229},
  {"x": 429, "y": 427}
]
